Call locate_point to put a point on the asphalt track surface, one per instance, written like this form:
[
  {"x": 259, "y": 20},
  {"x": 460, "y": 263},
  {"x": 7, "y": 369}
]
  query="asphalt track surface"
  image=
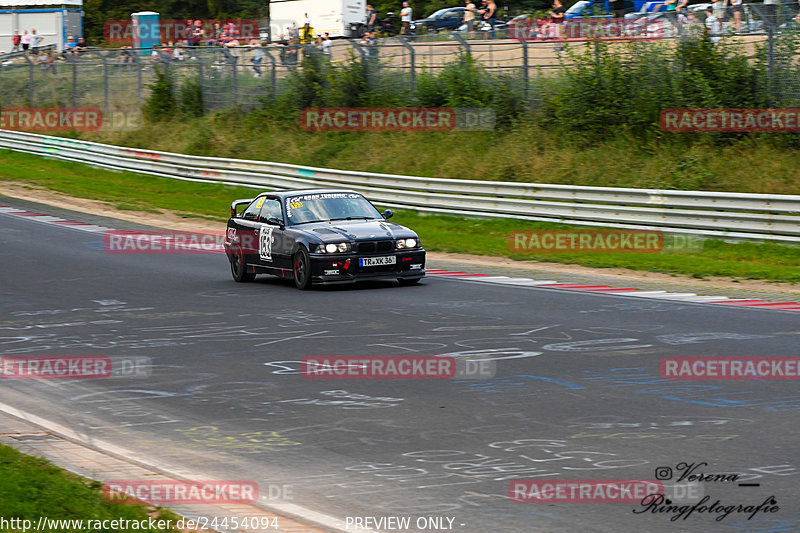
[{"x": 577, "y": 393}]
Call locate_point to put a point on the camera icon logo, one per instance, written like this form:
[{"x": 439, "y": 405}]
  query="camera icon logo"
[{"x": 663, "y": 473}]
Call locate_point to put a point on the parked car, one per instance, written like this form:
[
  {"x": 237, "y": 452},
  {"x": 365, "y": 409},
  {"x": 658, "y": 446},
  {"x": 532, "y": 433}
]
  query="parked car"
[{"x": 444, "y": 19}]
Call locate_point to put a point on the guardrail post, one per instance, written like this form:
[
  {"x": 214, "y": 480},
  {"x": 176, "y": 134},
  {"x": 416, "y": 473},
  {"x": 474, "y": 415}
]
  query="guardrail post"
[{"x": 412, "y": 59}]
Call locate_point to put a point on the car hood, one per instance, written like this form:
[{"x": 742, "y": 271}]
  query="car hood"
[{"x": 356, "y": 230}]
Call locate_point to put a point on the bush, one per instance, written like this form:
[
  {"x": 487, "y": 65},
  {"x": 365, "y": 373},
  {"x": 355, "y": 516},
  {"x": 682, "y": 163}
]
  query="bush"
[
  {"x": 160, "y": 105},
  {"x": 191, "y": 98}
]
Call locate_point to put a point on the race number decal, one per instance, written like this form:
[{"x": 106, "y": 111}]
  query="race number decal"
[{"x": 265, "y": 240}]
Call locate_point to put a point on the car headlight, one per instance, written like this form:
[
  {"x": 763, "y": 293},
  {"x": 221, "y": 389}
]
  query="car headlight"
[
  {"x": 402, "y": 244},
  {"x": 332, "y": 248}
]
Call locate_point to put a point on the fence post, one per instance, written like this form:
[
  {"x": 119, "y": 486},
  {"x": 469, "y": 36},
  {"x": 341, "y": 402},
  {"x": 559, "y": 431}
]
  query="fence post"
[
  {"x": 234, "y": 61},
  {"x": 74, "y": 64},
  {"x": 525, "y": 67},
  {"x": 273, "y": 79},
  {"x": 463, "y": 42},
  {"x": 413, "y": 59},
  {"x": 105, "y": 80},
  {"x": 31, "y": 66}
]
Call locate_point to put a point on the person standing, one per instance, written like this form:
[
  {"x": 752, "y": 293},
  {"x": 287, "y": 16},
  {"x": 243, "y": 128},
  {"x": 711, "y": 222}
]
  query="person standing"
[
  {"x": 25, "y": 40},
  {"x": 736, "y": 14},
  {"x": 405, "y": 18},
  {"x": 713, "y": 25},
  {"x": 36, "y": 40},
  {"x": 16, "y": 39},
  {"x": 490, "y": 15},
  {"x": 469, "y": 18},
  {"x": 306, "y": 29},
  {"x": 258, "y": 56},
  {"x": 372, "y": 18}
]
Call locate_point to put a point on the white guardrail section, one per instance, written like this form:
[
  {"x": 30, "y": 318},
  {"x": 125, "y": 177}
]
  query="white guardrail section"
[{"x": 729, "y": 215}]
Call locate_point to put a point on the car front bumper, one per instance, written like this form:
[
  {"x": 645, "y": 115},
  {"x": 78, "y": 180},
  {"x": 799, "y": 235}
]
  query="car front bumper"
[{"x": 345, "y": 268}]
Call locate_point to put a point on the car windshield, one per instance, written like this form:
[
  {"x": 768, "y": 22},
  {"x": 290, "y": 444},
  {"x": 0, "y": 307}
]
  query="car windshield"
[
  {"x": 323, "y": 207},
  {"x": 438, "y": 14},
  {"x": 577, "y": 8}
]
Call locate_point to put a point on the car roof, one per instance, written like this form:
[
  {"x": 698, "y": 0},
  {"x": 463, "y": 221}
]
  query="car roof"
[{"x": 297, "y": 192}]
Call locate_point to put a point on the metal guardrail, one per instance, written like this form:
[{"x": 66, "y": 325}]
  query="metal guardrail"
[{"x": 729, "y": 215}]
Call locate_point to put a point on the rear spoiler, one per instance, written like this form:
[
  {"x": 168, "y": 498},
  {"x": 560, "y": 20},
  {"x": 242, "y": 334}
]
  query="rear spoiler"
[{"x": 236, "y": 203}]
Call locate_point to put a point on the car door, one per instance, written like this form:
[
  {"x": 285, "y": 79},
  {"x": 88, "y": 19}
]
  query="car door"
[
  {"x": 272, "y": 245},
  {"x": 248, "y": 230}
]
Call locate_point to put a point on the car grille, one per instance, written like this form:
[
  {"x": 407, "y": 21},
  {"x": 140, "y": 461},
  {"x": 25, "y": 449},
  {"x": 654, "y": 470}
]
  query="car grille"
[{"x": 369, "y": 247}]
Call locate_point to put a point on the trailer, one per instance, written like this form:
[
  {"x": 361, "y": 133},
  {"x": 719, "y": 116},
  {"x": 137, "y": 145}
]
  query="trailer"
[{"x": 337, "y": 18}]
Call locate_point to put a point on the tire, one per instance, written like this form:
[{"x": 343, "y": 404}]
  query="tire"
[
  {"x": 239, "y": 267},
  {"x": 405, "y": 281},
  {"x": 302, "y": 269}
]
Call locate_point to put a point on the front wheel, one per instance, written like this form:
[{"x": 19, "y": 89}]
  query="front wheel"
[
  {"x": 302, "y": 269},
  {"x": 239, "y": 267}
]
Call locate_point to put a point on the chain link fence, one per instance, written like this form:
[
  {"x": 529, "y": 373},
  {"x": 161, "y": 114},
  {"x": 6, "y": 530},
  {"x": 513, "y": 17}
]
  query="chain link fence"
[{"x": 117, "y": 81}]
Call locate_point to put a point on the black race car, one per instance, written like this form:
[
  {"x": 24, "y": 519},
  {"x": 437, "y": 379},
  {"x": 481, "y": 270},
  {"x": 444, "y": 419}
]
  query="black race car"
[{"x": 323, "y": 236}]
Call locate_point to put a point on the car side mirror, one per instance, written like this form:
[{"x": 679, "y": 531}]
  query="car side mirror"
[
  {"x": 387, "y": 214},
  {"x": 275, "y": 222}
]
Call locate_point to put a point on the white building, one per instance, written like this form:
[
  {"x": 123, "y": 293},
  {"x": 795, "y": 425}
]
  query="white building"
[{"x": 54, "y": 24}]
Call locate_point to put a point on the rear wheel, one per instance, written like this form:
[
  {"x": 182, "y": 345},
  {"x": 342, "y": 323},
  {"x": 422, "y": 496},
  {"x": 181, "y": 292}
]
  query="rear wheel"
[
  {"x": 239, "y": 267},
  {"x": 302, "y": 269}
]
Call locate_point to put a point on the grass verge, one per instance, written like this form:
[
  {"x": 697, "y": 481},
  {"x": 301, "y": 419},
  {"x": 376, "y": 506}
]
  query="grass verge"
[
  {"x": 741, "y": 260},
  {"x": 32, "y": 487}
]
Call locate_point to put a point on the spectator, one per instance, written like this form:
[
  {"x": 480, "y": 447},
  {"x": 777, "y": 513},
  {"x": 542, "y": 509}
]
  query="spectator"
[
  {"x": 469, "y": 18},
  {"x": 47, "y": 62},
  {"x": 557, "y": 13},
  {"x": 306, "y": 29},
  {"x": 232, "y": 29},
  {"x": 713, "y": 25},
  {"x": 71, "y": 46},
  {"x": 372, "y": 18},
  {"x": 720, "y": 8},
  {"x": 294, "y": 32},
  {"x": 557, "y": 17},
  {"x": 177, "y": 51},
  {"x": 736, "y": 14},
  {"x": 405, "y": 17},
  {"x": 292, "y": 53},
  {"x": 326, "y": 44},
  {"x": 258, "y": 57},
  {"x": 16, "y": 40},
  {"x": 490, "y": 15},
  {"x": 196, "y": 34},
  {"x": 81, "y": 45},
  {"x": 126, "y": 56},
  {"x": 25, "y": 40},
  {"x": 36, "y": 40}
]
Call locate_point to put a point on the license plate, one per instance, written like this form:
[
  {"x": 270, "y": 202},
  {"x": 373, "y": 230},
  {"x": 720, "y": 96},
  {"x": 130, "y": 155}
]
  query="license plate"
[{"x": 377, "y": 261}]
